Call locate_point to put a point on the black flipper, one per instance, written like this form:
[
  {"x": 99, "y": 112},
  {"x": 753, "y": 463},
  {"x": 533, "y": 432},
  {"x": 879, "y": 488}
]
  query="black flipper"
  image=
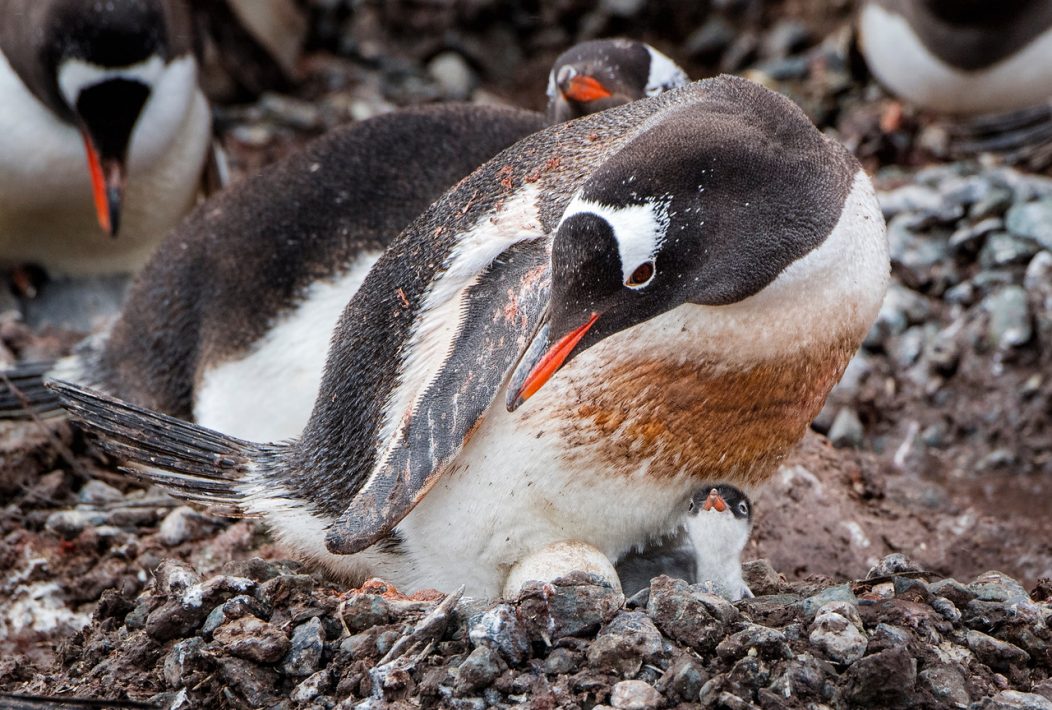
[
  {"x": 190, "y": 461},
  {"x": 501, "y": 312},
  {"x": 23, "y": 394}
]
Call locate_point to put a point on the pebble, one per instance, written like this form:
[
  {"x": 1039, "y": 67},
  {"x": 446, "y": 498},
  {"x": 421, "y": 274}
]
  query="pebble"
[
  {"x": 479, "y": 670},
  {"x": 96, "y": 492},
  {"x": 252, "y": 639},
  {"x": 363, "y": 611},
  {"x": 1032, "y": 220},
  {"x": 1004, "y": 249},
  {"x": 1009, "y": 318},
  {"x": 575, "y": 605},
  {"x": 847, "y": 430},
  {"x": 895, "y": 563},
  {"x": 1014, "y": 700},
  {"x": 838, "y": 593},
  {"x": 184, "y": 524},
  {"x": 635, "y": 695},
  {"x": 839, "y": 637},
  {"x": 305, "y": 654},
  {"x": 499, "y": 628},
  {"x": 946, "y": 684}
]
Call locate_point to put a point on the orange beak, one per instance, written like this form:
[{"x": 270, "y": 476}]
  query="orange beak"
[
  {"x": 715, "y": 500},
  {"x": 552, "y": 360},
  {"x": 583, "y": 88},
  {"x": 107, "y": 188}
]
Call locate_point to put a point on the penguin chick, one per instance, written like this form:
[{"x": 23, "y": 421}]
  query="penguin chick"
[
  {"x": 103, "y": 131},
  {"x": 596, "y": 75},
  {"x": 705, "y": 549},
  {"x": 666, "y": 287},
  {"x": 718, "y": 526}
]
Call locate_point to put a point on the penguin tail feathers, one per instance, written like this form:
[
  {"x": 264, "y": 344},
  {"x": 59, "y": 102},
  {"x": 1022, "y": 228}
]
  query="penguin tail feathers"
[
  {"x": 188, "y": 460},
  {"x": 23, "y": 394}
]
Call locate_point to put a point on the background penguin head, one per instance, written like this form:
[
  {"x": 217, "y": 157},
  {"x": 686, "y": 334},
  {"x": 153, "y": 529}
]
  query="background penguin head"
[
  {"x": 600, "y": 74},
  {"x": 103, "y": 63}
]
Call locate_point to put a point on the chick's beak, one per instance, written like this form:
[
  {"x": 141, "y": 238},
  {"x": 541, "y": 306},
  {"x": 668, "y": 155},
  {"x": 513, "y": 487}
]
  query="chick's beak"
[
  {"x": 714, "y": 502},
  {"x": 584, "y": 88},
  {"x": 543, "y": 366},
  {"x": 107, "y": 187}
]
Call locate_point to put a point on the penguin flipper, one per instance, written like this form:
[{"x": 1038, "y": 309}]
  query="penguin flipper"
[
  {"x": 188, "y": 460},
  {"x": 23, "y": 394},
  {"x": 502, "y": 310}
]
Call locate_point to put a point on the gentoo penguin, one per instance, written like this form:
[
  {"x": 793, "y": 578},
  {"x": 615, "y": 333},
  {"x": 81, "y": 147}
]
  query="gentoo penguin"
[
  {"x": 597, "y": 314},
  {"x": 706, "y": 549},
  {"x": 103, "y": 131},
  {"x": 596, "y": 75},
  {"x": 960, "y": 56},
  {"x": 229, "y": 322},
  {"x": 256, "y": 279}
]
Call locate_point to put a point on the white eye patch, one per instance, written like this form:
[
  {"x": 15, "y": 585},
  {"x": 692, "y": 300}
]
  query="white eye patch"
[
  {"x": 75, "y": 75},
  {"x": 639, "y": 230},
  {"x": 664, "y": 74}
]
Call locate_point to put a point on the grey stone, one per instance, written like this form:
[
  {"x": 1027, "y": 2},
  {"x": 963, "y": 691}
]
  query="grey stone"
[
  {"x": 840, "y": 592},
  {"x": 70, "y": 523},
  {"x": 308, "y": 644},
  {"x": 256, "y": 684},
  {"x": 683, "y": 678},
  {"x": 561, "y": 661},
  {"x": 895, "y": 563},
  {"x": 234, "y": 608},
  {"x": 884, "y": 679},
  {"x": 754, "y": 638},
  {"x": 683, "y": 614},
  {"x": 847, "y": 431},
  {"x": 1014, "y": 700},
  {"x": 574, "y": 605},
  {"x": 635, "y": 695},
  {"x": 997, "y": 586},
  {"x": 363, "y": 611},
  {"x": 1004, "y": 249},
  {"x": 947, "y": 609},
  {"x": 969, "y": 239},
  {"x": 312, "y": 687},
  {"x": 96, "y": 492},
  {"x": 999, "y": 655},
  {"x": 709, "y": 40},
  {"x": 995, "y": 203},
  {"x": 479, "y": 670},
  {"x": 836, "y": 635},
  {"x": 184, "y": 524},
  {"x": 1032, "y": 220},
  {"x": 500, "y": 629},
  {"x": 252, "y": 639},
  {"x": 946, "y": 684},
  {"x": 179, "y": 660},
  {"x": 622, "y": 8}
]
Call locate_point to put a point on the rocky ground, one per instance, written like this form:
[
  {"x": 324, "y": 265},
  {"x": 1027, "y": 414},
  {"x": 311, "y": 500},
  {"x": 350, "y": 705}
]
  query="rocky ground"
[{"x": 936, "y": 445}]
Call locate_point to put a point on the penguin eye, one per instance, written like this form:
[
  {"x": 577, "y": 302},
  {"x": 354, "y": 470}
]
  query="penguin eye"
[
  {"x": 743, "y": 508},
  {"x": 690, "y": 506},
  {"x": 641, "y": 276}
]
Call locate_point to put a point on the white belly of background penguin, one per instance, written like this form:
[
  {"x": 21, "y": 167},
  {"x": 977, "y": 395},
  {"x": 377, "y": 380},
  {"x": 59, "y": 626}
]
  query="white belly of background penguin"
[
  {"x": 960, "y": 56},
  {"x": 703, "y": 358}
]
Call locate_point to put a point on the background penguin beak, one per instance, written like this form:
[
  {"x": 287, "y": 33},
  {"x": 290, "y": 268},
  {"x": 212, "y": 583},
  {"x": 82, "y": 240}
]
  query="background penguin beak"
[
  {"x": 107, "y": 187},
  {"x": 541, "y": 363},
  {"x": 584, "y": 88},
  {"x": 714, "y": 501}
]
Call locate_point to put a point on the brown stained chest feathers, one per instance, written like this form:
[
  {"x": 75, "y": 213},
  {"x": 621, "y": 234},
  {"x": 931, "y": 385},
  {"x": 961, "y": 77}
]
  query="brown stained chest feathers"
[{"x": 705, "y": 419}]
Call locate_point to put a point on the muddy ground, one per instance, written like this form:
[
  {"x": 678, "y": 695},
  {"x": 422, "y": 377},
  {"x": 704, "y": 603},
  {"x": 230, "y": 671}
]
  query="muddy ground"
[{"x": 937, "y": 445}]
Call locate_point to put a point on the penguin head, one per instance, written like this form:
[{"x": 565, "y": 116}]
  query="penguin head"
[
  {"x": 708, "y": 208},
  {"x": 105, "y": 61},
  {"x": 597, "y": 75},
  {"x": 719, "y": 523}
]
